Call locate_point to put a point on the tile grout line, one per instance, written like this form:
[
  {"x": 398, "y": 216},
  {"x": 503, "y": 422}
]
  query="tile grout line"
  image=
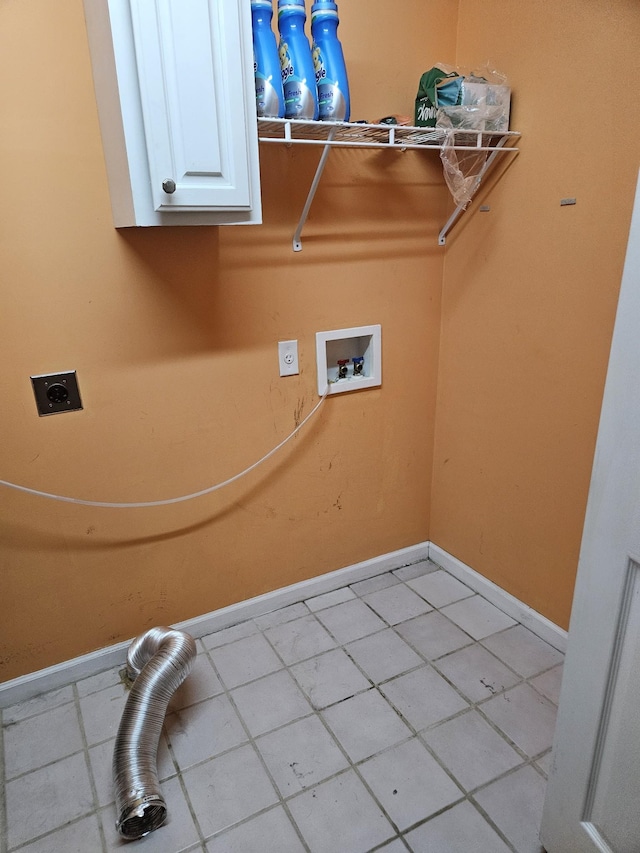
[
  {"x": 38, "y": 713},
  {"x": 316, "y": 712},
  {"x": 449, "y": 808},
  {"x": 183, "y": 787},
  {"x": 506, "y": 775},
  {"x": 196, "y": 846},
  {"x": 351, "y": 765},
  {"x": 492, "y": 824},
  {"x": 99, "y": 810},
  {"x": 251, "y": 741},
  {"x": 87, "y": 758},
  {"x": 358, "y": 596},
  {"x": 477, "y": 706},
  {"x": 55, "y": 761},
  {"x": 413, "y": 732},
  {"x": 384, "y": 845},
  {"x": 4, "y": 823},
  {"x": 466, "y": 795},
  {"x": 526, "y": 760},
  {"x": 84, "y": 749},
  {"x": 177, "y": 774}
]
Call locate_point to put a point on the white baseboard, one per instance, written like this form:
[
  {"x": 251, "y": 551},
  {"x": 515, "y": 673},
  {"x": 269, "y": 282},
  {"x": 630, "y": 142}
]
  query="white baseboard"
[
  {"x": 531, "y": 619},
  {"x": 54, "y": 677}
]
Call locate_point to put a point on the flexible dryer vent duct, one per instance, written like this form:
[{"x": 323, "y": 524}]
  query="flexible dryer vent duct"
[{"x": 158, "y": 662}]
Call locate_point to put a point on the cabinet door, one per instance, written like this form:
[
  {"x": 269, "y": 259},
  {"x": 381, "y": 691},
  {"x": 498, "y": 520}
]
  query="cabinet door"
[{"x": 190, "y": 61}]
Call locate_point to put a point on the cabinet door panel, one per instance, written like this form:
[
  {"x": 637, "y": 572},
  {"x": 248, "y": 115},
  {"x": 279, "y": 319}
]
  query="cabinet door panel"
[{"x": 192, "y": 102}]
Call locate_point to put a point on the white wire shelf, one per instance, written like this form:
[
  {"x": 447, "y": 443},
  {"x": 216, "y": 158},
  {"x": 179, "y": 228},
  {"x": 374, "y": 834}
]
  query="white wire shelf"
[
  {"x": 352, "y": 135},
  {"x": 401, "y": 137}
]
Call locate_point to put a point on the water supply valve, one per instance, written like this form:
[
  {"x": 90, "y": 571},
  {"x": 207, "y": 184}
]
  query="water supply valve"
[
  {"x": 358, "y": 365},
  {"x": 342, "y": 368}
]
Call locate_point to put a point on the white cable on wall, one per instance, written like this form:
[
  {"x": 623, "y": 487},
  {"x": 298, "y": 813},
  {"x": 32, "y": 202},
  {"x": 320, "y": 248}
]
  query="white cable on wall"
[{"x": 166, "y": 501}]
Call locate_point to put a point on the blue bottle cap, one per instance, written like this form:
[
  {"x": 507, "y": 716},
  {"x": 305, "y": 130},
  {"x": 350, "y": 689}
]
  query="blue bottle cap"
[
  {"x": 261, "y": 4},
  {"x": 283, "y": 3}
]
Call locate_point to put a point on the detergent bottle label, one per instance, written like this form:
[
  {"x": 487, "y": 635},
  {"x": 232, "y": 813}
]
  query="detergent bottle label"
[
  {"x": 299, "y": 99},
  {"x": 332, "y": 104},
  {"x": 267, "y": 101}
]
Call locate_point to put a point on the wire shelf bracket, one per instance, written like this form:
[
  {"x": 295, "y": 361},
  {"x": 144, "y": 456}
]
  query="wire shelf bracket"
[
  {"x": 356, "y": 135},
  {"x": 451, "y": 221}
]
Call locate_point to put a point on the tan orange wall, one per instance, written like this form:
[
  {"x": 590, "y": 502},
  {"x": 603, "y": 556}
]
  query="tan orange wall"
[
  {"x": 530, "y": 292},
  {"x": 173, "y": 333}
]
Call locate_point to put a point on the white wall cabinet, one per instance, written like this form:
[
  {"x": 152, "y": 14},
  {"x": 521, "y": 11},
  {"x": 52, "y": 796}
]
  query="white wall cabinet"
[{"x": 176, "y": 101}]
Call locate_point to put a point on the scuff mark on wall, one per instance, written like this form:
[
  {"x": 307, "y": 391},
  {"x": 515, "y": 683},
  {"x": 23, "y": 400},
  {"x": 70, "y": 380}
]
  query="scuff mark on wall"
[{"x": 297, "y": 414}]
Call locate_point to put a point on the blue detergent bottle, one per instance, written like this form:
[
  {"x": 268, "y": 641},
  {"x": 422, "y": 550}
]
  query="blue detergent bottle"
[
  {"x": 298, "y": 73},
  {"x": 328, "y": 60},
  {"x": 269, "y": 94}
]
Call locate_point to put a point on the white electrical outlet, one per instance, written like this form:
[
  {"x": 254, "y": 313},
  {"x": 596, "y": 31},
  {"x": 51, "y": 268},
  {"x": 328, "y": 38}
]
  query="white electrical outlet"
[{"x": 288, "y": 357}]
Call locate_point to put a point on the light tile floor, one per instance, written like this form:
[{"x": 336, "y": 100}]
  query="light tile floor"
[{"x": 401, "y": 713}]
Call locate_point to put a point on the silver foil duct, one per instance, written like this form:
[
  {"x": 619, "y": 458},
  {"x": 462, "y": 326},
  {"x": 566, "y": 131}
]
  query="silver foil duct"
[{"x": 158, "y": 661}]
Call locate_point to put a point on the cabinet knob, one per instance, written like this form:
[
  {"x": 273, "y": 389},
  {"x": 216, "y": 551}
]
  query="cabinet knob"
[{"x": 169, "y": 186}]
